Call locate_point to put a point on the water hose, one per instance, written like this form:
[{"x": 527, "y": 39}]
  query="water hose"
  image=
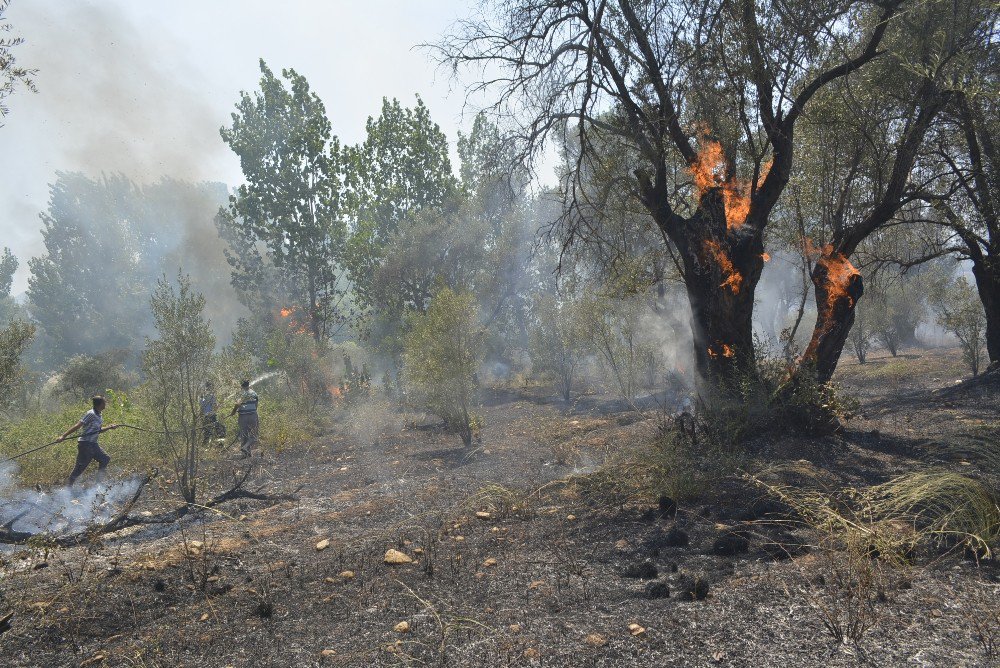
[{"x": 60, "y": 440}]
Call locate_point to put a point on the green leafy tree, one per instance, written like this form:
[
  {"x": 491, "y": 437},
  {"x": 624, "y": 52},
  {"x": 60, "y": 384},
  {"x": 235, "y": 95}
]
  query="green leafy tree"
[
  {"x": 557, "y": 339},
  {"x": 86, "y": 291},
  {"x": 12, "y": 75},
  {"x": 107, "y": 243},
  {"x": 400, "y": 168},
  {"x": 8, "y": 266},
  {"x": 290, "y": 204},
  {"x": 960, "y": 312},
  {"x": 441, "y": 355},
  {"x": 177, "y": 364},
  {"x": 14, "y": 340}
]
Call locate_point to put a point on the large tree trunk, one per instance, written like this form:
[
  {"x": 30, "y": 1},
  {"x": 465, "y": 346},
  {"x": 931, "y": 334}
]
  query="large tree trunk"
[
  {"x": 722, "y": 265},
  {"x": 987, "y": 275},
  {"x": 838, "y": 287}
]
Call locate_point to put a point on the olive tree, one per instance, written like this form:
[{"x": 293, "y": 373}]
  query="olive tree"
[
  {"x": 177, "y": 364},
  {"x": 441, "y": 354}
]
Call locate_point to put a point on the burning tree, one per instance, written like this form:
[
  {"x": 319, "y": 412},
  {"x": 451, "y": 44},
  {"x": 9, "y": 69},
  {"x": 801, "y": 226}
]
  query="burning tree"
[
  {"x": 701, "y": 97},
  {"x": 290, "y": 203},
  {"x": 867, "y": 147}
]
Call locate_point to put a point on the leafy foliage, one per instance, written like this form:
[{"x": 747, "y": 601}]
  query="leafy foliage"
[
  {"x": 441, "y": 355},
  {"x": 12, "y": 75},
  {"x": 400, "y": 168},
  {"x": 960, "y": 312},
  {"x": 290, "y": 204},
  {"x": 176, "y": 364}
]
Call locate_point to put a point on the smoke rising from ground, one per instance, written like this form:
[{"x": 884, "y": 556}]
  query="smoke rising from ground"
[{"x": 63, "y": 510}]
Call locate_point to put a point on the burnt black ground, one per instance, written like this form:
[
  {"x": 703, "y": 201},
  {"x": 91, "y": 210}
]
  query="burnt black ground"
[{"x": 538, "y": 582}]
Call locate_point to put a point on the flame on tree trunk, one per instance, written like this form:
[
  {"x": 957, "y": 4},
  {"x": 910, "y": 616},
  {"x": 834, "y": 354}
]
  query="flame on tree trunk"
[
  {"x": 838, "y": 287},
  {"x": 723, "y": 257}
]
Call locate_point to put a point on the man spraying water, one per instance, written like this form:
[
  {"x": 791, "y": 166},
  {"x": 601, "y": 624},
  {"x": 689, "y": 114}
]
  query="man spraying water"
[
  {"x": 248, "y": 422},
  {"x": 87, "y": 447}
]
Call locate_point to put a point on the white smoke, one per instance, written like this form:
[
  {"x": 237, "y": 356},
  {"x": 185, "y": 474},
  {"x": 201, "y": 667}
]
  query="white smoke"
[{"x": 63, "y": 510}]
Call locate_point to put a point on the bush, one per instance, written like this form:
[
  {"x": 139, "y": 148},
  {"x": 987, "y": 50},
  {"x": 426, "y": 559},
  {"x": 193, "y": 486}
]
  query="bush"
[
  {"x": 441, "y": 354},
  {"x": 87, "y": 375},
  {"x": 308, "y": 368},
  {"x": 960, "y": 312},
  {"x": 557, "y": 340},
  {"x": 177, "y": 365}
]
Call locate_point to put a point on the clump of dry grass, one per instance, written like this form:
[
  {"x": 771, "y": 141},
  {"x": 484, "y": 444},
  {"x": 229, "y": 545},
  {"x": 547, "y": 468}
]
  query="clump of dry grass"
[
  {"x": 868, "y": 538},
  {"x": 891, "y": 519},
  {"x": 682, "y": 462}
]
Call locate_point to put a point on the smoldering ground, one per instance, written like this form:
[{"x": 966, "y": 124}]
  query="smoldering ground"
[{"x": 61, "y": 510}]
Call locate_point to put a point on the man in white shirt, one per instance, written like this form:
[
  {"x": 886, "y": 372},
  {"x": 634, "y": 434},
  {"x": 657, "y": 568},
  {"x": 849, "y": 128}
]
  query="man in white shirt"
[{"x": 87, "y": 448}]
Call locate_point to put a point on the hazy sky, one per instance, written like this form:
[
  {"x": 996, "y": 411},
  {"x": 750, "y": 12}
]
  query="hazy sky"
[{"x": 142, "y": 86}]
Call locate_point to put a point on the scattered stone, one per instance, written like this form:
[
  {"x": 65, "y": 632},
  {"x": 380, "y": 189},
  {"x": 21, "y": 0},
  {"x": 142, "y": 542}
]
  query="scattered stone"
[
  {"x": 323, "y": 544},
  {"x": 644, "y": 571},
  {"x": 668, "y": 507},
  {"x": 535, "y": 584},
  {"x": 595, "y": 640},
  {"x": 531, "y": 653},
  {"x": 347, "y": 575},
  {"x": 691, "y": 588},
  {"x": 396, "y": 558},
  {"x": 418, "y": 550},
  {"x": 459, "y": 539},
  {"x": 204, "y": 617},
  {"x": 490, "y": 562},
  {"x": 621, "y": 545},
  {"x": 483, "y": 515},
  {"x": 329, "y": 580},
  {"x": 657, "y": 589},
  {"x": 402, "y": 627},
  {"x": 571, "y": 518},
  {"x": 97, "y": 658},
  {"x": 730, "y": 544},
  {"x": 635, "y": 630},
  {"x": 515, "y": 628},
  {"x": 328, "y": 652}
]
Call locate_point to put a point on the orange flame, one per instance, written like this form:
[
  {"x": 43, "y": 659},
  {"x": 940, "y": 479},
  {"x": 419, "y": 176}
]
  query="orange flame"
[
  {"x": 839, "y": 272},
  {"x": 295, "y": 323},
  {"x": 725, "y": 350},
  {"x": 709, "y": 171},
  {"x": 734, "y": 279},
  {"x": 766, "y": 257},
  {"x": 335, "y": 392}
]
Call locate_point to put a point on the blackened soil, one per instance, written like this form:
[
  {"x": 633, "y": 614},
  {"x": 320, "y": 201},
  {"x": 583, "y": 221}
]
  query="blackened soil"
[{"x": 512, "y": 566}]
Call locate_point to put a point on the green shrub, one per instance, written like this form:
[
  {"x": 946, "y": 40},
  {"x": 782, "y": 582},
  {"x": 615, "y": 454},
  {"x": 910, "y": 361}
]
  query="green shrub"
[{"x": 441, "y": 355}]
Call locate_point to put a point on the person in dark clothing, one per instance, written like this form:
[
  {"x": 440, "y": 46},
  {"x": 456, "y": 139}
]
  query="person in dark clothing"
[
  {"x": 249, "y": 425},
  {"x": 87, "y": 448},
  {"x": 210, "y": 425}
]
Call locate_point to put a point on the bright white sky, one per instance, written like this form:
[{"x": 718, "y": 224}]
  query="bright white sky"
[{"x": 142, "y": 87}]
